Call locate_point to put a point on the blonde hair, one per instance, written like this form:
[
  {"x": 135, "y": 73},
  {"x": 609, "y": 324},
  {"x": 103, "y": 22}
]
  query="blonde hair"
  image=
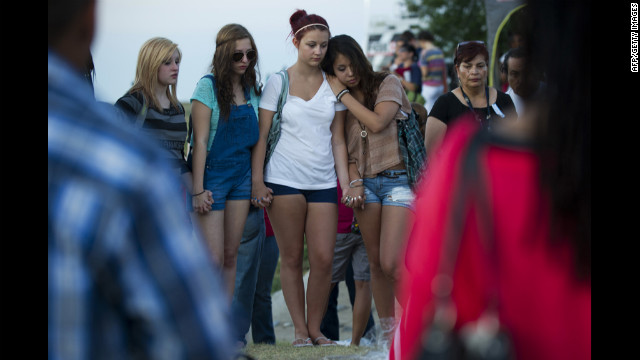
[{"x": 153, "y": 53}]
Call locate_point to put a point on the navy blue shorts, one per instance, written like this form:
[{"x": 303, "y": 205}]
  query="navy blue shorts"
[{"x": 323, "y": 195}]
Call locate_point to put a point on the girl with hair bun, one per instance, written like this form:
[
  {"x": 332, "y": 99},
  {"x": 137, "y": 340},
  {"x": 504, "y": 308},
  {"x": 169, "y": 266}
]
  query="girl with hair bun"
[{"x": 297, "y": 185}]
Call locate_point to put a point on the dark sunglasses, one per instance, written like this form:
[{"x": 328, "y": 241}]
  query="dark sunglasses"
[
  {"x": 251, "y": 55},
  {"x": 468, "y": 42}
]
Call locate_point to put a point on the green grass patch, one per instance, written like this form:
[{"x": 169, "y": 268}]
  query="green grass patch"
[{"x": 284, "y": 351}]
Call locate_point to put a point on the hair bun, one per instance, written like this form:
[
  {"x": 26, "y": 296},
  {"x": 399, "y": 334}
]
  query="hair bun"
[{"x": 295, "y": 18}]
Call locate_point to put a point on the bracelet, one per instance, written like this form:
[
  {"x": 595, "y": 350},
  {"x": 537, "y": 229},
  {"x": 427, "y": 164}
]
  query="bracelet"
[
  {"x": 351, "y": 183},
  {"x": 199, "y": 193},
  {"x": 341, "y": 93}
]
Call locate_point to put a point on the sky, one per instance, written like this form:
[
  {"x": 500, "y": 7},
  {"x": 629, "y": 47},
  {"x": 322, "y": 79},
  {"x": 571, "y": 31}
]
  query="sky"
[{"x": 124, "y": 25}]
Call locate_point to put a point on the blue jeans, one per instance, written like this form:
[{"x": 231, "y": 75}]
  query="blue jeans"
[
  {"x": 262, "y": 320},
  {"x": 256, "y": 264},
  {"x": 247, "y": 271}
]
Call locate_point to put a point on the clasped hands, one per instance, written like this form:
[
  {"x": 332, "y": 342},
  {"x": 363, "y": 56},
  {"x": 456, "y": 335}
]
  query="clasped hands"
[
  {"x": 202, "y": 202},
  {"x": 261, "y": 196},
  {"x": 353, "y": 198}
]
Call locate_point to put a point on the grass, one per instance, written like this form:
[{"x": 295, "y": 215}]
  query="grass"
[{"x": 284, "y": 351}]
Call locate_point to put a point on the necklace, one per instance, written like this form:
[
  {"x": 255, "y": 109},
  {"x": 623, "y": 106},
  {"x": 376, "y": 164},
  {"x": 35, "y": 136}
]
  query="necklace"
[
  {"x": 363, "y": 133},
  {"x": 486, "y": 90}
]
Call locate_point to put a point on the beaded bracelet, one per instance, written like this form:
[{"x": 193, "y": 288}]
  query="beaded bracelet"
[
  {"x": 341, "y": 94},
  {"x": 198, "y": 193},
  {"x": 351, "y": 183}
]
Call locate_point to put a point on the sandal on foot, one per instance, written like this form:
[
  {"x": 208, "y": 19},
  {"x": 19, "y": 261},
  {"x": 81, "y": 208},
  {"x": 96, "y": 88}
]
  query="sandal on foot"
[
  {"x": 328, "y": 343},
  {"x": 300, "y": 342}
]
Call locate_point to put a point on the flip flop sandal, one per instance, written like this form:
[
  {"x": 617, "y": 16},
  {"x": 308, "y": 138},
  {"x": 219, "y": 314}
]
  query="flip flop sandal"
[
  {"x": 329, "y": 343},
  {"x": 300, "y": 342}
]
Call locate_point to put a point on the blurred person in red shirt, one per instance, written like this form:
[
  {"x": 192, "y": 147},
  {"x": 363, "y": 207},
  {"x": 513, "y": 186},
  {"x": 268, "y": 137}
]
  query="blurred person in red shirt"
[{"x": 529, "y": 243}]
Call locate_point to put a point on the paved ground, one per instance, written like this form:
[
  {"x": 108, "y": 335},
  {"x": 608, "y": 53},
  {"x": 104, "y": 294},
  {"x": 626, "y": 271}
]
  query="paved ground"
[{"x": 282, "y": 320}]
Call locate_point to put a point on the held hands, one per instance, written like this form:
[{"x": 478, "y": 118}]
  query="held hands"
[
  {"x": 353, "y": 196},
  {"x": 202, "y": 202},
  {"x": 261, "y": 196}
]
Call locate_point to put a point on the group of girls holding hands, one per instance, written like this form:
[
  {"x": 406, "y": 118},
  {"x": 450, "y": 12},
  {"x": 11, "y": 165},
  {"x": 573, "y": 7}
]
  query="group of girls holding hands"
[{"x": 338, "y": 125}]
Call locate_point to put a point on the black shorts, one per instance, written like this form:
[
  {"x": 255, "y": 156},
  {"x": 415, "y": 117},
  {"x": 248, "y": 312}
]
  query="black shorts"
[{"x": 323, "y": 195}]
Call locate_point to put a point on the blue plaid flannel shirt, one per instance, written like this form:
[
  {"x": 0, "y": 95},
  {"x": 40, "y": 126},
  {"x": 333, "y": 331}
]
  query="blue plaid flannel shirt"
[{"x": 127, "y": 277}]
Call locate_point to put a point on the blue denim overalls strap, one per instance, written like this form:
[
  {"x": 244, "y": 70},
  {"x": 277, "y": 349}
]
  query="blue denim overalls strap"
[{"x": 235, "y": 136}]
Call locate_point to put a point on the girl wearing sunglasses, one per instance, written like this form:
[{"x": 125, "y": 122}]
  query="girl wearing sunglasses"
[
  {"x": 298, "y": 184},
  {"x": 224, "y": 113}
]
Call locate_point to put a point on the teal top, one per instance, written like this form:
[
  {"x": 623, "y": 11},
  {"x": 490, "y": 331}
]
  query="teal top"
[{"x": 204, "y": 93}]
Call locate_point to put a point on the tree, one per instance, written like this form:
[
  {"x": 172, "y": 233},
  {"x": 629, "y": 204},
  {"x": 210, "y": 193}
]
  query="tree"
[{"x": 451, "y": 21}]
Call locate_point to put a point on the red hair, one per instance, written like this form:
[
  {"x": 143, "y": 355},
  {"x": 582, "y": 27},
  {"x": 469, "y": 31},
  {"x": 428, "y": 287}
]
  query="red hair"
[{"x": 301, "y": 22}]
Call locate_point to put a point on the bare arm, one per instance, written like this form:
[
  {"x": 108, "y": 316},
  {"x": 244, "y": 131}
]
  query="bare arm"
[
  {"x": 376, "y": 120},
  {"x": 201, "y": 115},
  {"x": 433, "y": 134},
  {"x": 258, "y": 153},
  {"x": 339, "y": 148}
]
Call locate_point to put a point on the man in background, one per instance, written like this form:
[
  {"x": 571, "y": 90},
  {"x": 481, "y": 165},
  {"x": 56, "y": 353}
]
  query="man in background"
[{"x": 126, "y": 278}]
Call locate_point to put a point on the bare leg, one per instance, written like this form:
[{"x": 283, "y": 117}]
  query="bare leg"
[
  {"x": 287, "y": 214},
  {"x": 321, "y": 227},
  {"x": 361, "y": 310},
  {"x": 395, "y": 225},
  {"x": 235, "y": 216},
  {"x": 381, "y": 286},
  {"x": 211, "y": 226}
]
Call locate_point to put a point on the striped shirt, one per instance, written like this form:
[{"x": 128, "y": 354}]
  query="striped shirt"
[
  {"x": 434, "y": 60},
  {"x": 168, "y": 126},
  {"x": 126, "y": 277}
]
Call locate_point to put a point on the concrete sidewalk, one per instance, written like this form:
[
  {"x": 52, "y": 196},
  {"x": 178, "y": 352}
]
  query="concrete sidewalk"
[{"x": 283, "y": 325}]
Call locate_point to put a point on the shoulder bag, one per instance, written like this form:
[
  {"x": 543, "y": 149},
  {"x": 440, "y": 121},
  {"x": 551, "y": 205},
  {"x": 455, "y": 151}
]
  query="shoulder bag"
[
  {"x": 412, "y": 148},
  {"x": 274, "y": 131}
]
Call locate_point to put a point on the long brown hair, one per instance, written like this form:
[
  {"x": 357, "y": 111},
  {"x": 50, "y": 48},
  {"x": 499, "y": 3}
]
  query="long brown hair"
[
  {"x": 369, "y": 80},
  {"x": 221, "y": 66}
]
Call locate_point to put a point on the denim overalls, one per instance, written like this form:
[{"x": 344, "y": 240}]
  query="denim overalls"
[{"x": 227, "y": 172}]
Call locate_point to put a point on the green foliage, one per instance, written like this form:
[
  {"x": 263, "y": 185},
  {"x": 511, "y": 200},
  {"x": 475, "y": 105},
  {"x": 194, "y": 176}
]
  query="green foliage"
[{"x": 451, "y": 21}]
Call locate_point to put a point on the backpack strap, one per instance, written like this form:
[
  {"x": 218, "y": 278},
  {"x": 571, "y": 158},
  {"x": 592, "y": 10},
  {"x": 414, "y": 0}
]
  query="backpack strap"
[
  {"x": 190, "y": 123},
  {"x": 274, "y": 130},
  {"x": 284, "y": 90},
  {"x": 142, "y": 114}
]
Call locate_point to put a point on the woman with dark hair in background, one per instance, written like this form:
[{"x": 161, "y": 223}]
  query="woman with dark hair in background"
[
  {"x": 524, "y": 238},
  {"x": 298, "y": 184},
  {"x": 473, "y": 95}
]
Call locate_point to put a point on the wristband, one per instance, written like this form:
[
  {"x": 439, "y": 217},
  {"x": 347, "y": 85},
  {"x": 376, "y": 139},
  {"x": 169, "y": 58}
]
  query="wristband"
[
  {"x": 199, "y": 193},
  {"x": 341, "y": 94},
  {"x": 351, "y": 183}
]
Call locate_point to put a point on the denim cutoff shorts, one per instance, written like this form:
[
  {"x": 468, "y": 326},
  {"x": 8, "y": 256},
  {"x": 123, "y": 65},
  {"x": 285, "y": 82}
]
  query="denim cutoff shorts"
[
  {"x": 389, "y": 190},
  {"x": 227, "y": 180}
]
